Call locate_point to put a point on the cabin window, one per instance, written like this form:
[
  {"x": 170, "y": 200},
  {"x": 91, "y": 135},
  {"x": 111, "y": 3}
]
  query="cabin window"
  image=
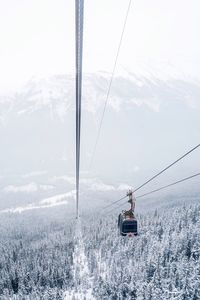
[{"x": 129, "y": 227}]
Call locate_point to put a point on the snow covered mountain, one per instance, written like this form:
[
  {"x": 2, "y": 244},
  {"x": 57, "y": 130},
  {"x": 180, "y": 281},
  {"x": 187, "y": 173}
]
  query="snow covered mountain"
[
  {"x": 55, "y": 95},
  {"x": 148, "y": 123}
]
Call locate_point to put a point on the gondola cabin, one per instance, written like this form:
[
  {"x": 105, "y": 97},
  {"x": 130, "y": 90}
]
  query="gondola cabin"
[{"x": 127, "y": 224}]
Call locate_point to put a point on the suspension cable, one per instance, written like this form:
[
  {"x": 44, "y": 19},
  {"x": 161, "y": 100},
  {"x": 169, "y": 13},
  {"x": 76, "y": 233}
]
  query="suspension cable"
[
  {"x": 169, "y": 166},
  {"x": 156, "y": 175},
  {"x": 159, "y": 189},
  {"x": 169, "y": 185},
  {"x": 110, "y": 85},
  {"x": 79, "y": 9}
]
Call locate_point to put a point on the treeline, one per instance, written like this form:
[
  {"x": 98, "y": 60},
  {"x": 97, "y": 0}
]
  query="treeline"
[{"x": 162, "y": 262}]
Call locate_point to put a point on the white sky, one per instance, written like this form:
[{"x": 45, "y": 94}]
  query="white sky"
[{"x": 37, "y": 38}]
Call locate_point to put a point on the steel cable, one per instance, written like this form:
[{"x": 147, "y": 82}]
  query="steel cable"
[
  {"x": 159, "y": 189},
  {"x": 159, "y": 173},
  {"x": 109, "y": 87},
  {"x": 79, "y": 9}
]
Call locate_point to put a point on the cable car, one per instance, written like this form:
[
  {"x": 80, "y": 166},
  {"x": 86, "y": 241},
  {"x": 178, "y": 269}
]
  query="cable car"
[{"x": 127, "y": 222}]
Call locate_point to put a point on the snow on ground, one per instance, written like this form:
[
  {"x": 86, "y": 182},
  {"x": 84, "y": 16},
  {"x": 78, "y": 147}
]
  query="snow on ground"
[
  {"x": 79, "y": 295},
  {"x": 57, "y": 200},
  {"x": 82, "y": 277}
]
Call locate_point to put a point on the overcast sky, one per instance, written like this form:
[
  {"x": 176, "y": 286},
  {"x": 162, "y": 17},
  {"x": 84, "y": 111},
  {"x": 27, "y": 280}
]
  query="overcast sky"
[{"x": 37, "y": 38}]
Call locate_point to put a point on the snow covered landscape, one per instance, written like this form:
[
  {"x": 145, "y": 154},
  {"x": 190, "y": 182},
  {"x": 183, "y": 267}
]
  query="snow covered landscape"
[
  {"x": 45, "y": 254},
  {"x": 46, "y": 258},
  {"x": 99, "y": 150}
]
